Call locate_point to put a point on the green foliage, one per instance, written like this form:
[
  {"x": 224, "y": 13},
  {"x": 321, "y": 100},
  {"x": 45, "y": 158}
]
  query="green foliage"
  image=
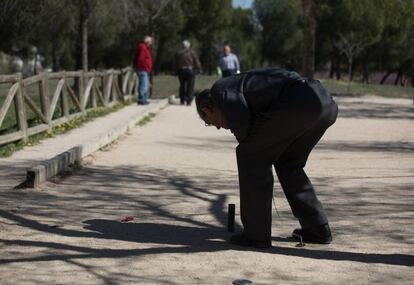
[
  {"x": 369, "y": 35},
  {"x": 244, "y": 36},
  {"x": 360, "y": 20},
  {"x": 205, "y": 21},
  {"x": 397, "y": 43},
  {"x": 167, "y": 29},
  {"x": 282, "y": 34},
  {"x": 104, "y": 32},
  {"x": 145, "y": 120}
]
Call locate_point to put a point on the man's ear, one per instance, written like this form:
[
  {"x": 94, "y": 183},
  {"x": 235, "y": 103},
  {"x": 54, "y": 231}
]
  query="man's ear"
[{"x": 207, "y": 111}]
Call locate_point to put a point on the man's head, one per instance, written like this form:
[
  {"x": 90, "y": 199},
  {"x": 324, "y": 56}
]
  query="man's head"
[
  {"x": 186, "y": 44},
  {"x": 227, "y": 49},
  {"x": 148, "y": 40},
  {"x": 209, "y": 112}
]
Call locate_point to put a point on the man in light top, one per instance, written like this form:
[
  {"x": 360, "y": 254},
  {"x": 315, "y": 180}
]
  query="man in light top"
[{"x": 228, "y": 63}]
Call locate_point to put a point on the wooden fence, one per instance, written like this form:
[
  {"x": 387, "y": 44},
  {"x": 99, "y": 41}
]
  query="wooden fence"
[{"x": 56, "y": 98}]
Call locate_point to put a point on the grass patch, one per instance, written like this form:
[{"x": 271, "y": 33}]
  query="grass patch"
[
  {"x": 145, "y": 120},
  {"x": 8, "y": 149},
  {"x": 339, "y": 87},
  {"x": 166, "y": 85}
]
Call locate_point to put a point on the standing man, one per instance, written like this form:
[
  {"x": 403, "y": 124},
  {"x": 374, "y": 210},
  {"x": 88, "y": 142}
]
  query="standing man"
[
  {"x": 186, "y": 65},
  {"x": 143, "y": 66},
  {"x": 228, "y": 63},
  {"x": 277, "y": 117}
]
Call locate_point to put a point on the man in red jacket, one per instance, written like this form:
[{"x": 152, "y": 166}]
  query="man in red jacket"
[{"x": 143, "y": 66}]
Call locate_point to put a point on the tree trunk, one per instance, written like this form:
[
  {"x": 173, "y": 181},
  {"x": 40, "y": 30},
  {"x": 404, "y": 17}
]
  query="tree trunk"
[
  {"x": 84, "y": 33},
  {"x": 402, "y": 80},
  {"x": 309, "y": 38},
  {"x": 55, "y": 59},
  {"x": 338, "y": 69},
  {"x": 160, "y": 51},
  {"x": 82, "y": 42},
  {"x": 350, "y": 61},
  {"x": 365, "y": 76},
  {"x": 332, "y": 67},
  {"x": 385, "y": 77},
  {"x": 352, "y": 74},
  {"x": 399, "y": 74},
  {"x": 151, "y": 75}
]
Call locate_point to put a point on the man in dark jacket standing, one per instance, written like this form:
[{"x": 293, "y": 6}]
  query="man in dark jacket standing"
[
  {"x": 186, "y": 65},
  {"x": 143, "y": 66},
  {"x": 277, "y": 117}
]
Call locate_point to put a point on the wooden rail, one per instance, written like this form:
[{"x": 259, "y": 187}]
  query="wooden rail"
[{"x": 74, "y": 94}]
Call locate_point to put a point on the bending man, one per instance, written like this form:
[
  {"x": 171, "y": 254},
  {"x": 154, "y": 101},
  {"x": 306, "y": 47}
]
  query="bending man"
[{"x": 277, "y": 117}]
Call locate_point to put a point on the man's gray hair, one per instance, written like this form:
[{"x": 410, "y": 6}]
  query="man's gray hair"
[
  {"x": 148, "y": 39},
  {"x": 186, "y": 44}
]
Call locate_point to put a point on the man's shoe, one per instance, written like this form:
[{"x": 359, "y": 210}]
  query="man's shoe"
[
  {"x": 320, "y": 234},
  {"x": 242, "y": 240}
]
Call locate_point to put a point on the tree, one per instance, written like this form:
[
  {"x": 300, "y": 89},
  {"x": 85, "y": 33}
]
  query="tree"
[
  {"x": 205, "y": 21},
  {"x": 281, "y": 31},
  {"x": 359, "y": 25},
  {"x": 395, "y": 51},
  {"x": 18, "y": 20},
  {"x": 55, "y": 32},
  {"x": 243, "y": 35},
  {"x": 309, "y": 29}
]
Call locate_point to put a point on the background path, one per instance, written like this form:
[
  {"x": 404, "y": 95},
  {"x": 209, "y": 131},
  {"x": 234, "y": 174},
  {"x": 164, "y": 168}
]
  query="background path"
[{"x": 176, "y": 177}]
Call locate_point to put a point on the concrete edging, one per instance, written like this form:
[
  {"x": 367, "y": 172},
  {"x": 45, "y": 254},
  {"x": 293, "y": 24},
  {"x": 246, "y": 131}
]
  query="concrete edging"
[{"x": 51, "y": 167}]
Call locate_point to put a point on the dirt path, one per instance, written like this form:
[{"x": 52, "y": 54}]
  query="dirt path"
[{"x": 176, "y": 177}]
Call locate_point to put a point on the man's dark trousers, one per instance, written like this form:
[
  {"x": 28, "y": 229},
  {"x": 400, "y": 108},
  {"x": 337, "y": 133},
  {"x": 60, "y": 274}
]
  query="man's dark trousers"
[
  {"x": 283, "y": 136},
  {"x": 186, "y": 77},
  {"x": 229, "y": 72}
]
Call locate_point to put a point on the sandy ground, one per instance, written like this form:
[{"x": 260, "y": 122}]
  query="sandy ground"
[{"x": 176, "y": 177}]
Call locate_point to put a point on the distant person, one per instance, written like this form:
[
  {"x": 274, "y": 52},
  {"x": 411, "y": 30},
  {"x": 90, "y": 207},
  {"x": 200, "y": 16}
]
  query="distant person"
[
  {"x": 186, "y": 65},
  {"x": 16, "y": 62},
  {"x": 143, "y": 66},
  {"x": 277, "y": 117},
  {"x": 32, "y": 64},
  {"x": 228, "y": 63}
]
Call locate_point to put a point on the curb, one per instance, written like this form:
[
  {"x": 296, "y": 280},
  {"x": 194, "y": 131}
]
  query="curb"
[{"x": 45, "y": 170}]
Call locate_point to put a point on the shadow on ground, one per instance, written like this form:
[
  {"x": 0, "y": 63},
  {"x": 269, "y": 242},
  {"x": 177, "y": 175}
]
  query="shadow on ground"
[
  {"x": 176, "y": 233},
  {"x": 371, "y": 110},
  {"x": 173, "y": 207},
  {"x": 367, "y": 146}
]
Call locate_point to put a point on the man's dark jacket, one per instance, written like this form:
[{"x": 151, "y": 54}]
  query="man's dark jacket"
[
  {"x": 244, "y": 96},
  {"x": 187, "y": 59}
]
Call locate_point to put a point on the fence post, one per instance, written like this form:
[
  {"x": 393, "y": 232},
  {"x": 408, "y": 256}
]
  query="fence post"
[
  {"x": 107, "y": 86},
  {"x": 44, "y": 98},
  {"x": 135, "y": 85},
  {"x": 94, "y": 90},
  {"x": 21, "y": 119},
  {"x": 81, "y": 91},
  {"x": 64, "y": 101}
]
